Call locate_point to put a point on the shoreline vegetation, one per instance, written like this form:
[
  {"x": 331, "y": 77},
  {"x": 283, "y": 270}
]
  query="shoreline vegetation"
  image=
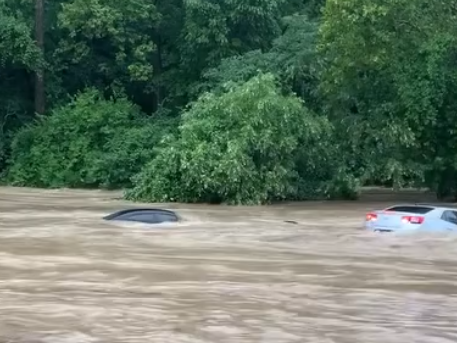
[
  {"x": 367, "y": 194},
  {"x": 237, "y": 102}
]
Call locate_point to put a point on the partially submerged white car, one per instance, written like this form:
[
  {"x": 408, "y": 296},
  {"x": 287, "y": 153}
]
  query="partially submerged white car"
[{"x": 410, "y": 218}]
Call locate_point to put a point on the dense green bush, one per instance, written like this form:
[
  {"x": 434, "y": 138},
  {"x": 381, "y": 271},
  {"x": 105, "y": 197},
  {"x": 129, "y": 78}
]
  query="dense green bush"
[
  {"x": 239, "y": 147},
  {"x": 91, "y": 142}
]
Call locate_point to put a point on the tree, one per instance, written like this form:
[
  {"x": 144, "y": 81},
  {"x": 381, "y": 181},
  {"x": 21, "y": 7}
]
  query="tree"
[
  {"x": 214, "y": 30},
  {"x": 292, "y": 59},
  {"x": 90, "y": 142},
  {"x": 39, "y": 73},
  {"x": 238, "y": 147},
  {"x": 19, "y": 57},
  {"x": 108, "y": 45},
  {"x": 389, "y": 79}
]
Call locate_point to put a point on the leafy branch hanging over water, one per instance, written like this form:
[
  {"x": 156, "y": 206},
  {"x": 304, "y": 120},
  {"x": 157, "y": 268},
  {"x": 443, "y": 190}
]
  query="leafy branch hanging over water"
[{"x": 239, "y": 147}]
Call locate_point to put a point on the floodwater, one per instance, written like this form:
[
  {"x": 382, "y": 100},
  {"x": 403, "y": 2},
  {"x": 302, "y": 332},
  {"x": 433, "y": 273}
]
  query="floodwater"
[{"x": 226, "y": 274}]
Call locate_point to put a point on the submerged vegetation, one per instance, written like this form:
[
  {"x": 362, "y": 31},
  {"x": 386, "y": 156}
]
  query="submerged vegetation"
[{"x": 235, "y": 101}]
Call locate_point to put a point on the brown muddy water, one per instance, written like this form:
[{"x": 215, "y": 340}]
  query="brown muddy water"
[{"x": 226, "y": 274}]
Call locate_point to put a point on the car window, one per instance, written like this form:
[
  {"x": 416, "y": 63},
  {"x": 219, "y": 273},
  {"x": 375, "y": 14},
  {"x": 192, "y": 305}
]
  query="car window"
[
  {"x": 165, "y": 217},
  {"x": 450, "y": 216},
  {"x": 411, "y": 209},
  {"x": 145, "y": 217}
]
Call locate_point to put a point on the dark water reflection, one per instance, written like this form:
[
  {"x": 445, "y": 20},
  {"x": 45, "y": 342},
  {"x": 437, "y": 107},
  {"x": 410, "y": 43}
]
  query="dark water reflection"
[{"x": 225, "y": 275}]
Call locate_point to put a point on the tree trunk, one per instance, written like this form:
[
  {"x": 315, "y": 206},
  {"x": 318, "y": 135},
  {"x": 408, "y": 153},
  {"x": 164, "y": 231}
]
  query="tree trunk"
[
  {"x": 158, "y": 88},
  {"x": 39, "y": 74},
  {"x": 446, "y": 185}
]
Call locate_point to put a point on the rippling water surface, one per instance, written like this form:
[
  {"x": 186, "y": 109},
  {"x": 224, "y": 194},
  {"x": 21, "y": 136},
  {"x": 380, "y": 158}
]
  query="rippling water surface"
[{"x": 226, "y": 274}]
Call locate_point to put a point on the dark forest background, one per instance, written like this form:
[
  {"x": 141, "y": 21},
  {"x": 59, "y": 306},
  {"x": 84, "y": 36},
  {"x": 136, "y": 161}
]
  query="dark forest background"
[{"x": 236, "y": 101}]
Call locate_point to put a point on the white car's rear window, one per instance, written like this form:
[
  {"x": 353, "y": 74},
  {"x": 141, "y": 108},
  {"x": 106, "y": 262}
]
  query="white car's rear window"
[{"x": 411, "y": 209}]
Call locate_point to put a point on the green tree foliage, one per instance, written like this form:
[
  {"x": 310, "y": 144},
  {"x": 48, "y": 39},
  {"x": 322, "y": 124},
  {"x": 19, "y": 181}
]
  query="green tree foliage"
[
  {"x": 218, "y": 29},
  {"x": 106, "y": 43},
  {"x": 370, "y": 87},
  {"x": 214, "y": 30},
  {"x": 18, "y": 58},
  {"x": 91, "y": 142},
  {"x": 292, "y": 58},
  {"x": 237, "y": 147},
  {"x": 390, "y": 79}
]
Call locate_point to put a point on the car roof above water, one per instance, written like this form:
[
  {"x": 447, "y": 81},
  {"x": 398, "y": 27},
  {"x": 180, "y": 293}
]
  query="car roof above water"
[
  {"x": 121, "y": 213},
  {"x": 420, "y": 207}
]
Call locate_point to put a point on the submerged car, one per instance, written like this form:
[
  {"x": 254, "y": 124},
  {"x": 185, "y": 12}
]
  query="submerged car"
[
  {"x": 412, "y": 218},
  {"x": 144, "y": 215}
]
